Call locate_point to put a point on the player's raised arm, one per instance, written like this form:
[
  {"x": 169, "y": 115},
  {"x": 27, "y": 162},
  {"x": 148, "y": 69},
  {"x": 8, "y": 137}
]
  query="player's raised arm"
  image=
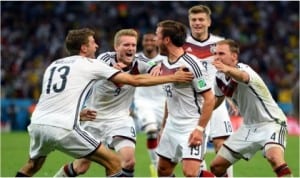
[{"x": 148, "y": 80}]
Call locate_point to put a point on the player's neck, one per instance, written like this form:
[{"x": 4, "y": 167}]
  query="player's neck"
[
  {"x": 175, "y": 53},
  {"x": 200, "y": 36}
]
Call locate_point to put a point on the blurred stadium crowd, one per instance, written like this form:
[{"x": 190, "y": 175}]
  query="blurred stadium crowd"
[{"x": 32, "y": 35}]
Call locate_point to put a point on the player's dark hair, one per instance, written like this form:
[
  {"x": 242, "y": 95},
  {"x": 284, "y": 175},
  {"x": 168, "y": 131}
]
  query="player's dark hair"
[
  {"x": 76, "y": 38},
  {"x": 148, "y": 32},
  {"x": 175, "y": 30},
  {"x": 233, "y": 45}
]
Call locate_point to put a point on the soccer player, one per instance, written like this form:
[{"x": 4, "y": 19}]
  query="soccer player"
[
  {"x": 111, "y": 101},
  {"x": 182, "y": 137},
  {"x": 265, "y": 125},
  {"x": 66, "y": 83},
  {"x": 201, "y": 44},
  {"x": 149, "y": 102}
]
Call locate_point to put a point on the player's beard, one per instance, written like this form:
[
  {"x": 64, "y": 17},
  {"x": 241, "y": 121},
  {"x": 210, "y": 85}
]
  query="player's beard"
[
  {"x": 163, "y": 50},
  {"x": 149, "y": 50}
]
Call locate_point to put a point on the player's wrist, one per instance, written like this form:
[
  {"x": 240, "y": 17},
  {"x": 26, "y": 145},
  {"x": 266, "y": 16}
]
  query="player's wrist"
[{"x": 200, "y": 128}]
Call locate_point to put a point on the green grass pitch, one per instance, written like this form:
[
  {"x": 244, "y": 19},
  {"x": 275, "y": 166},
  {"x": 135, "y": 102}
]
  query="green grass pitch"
[{"x": 14, "y": 153}]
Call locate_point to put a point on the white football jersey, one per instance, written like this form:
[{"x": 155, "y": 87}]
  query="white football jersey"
[
  {"x": 113, "y": 100},
  {"x": 253, "y": 99},
  {"x": 184, "y": 99},
  {"x": 151, "y": 97},
  {"x": 204, "y": 50},
  {"x": 66, "y": 83}
]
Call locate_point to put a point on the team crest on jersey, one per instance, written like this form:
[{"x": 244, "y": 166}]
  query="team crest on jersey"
[{"x": 212, "y": 48}]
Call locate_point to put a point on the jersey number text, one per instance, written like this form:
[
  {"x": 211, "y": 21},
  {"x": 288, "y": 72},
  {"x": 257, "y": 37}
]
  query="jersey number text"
[{"x": 63, "y": 73}]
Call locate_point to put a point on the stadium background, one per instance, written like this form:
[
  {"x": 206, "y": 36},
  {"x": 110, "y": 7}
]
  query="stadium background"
[{"x": 32, "y": 36}]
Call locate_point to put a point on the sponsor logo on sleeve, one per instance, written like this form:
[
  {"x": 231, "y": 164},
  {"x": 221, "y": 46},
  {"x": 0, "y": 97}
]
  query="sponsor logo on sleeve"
[{"x": 201, "y": 83}]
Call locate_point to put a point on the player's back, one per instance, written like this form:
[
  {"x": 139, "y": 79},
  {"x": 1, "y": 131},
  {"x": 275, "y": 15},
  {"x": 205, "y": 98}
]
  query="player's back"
[{"x": 66, "y": 82}]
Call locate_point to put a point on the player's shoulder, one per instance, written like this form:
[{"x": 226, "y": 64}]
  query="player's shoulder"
[
  {"x": 242, "y": 66},
  {"x": 215, "y": 38},
  {"x": 106, "y": 56},
  {"x": 192, "y": 61},
  {"x": 189, "y": 56},
  {"x": 69, "y": 60},
  {"x": 246, "y": 68},
  {"x": 141, "y": 57},
  {"x": 212, "y": 39}
]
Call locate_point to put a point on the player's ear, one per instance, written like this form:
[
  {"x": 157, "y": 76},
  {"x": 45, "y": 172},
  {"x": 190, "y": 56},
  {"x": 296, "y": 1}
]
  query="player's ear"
[
  {"x": 166, "y": 39},
  {"x": 83, "y": 48},
  {"x": 209, "y": 22},
  {"x": 234, "y": 57}
]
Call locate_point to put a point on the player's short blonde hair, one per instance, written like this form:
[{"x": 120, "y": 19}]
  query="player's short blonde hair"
[
  {"x": 124, "y": 32},
  {"x": 233, "y": 45}
]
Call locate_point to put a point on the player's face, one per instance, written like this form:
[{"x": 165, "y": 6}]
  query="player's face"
[
  {"x": 149, "y": 42},
  {"x": 199, "y": 24},
  {"x": 126, "y": 49},
  {"x": 160, "y": 42},
  {"x": 223, "y": 53},
  {"x": 91, "y": 48}
]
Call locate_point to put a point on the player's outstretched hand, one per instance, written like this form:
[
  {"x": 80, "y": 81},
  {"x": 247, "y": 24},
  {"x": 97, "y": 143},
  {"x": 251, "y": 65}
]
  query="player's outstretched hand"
[
  {"x": 87, "y": 115},
  {"x": 184, "y": 75}
]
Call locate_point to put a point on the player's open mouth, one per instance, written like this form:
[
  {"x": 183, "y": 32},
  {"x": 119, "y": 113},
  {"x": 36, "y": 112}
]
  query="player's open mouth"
[{"x": 129, "y": 54}]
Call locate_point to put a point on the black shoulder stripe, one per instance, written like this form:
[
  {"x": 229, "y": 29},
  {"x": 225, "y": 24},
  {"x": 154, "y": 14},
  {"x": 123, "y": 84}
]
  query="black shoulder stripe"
[
  {"x": 105, "y": 57},
  {"x": 193, "y": 64}
]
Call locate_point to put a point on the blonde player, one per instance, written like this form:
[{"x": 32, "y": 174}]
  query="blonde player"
[
  {"x": 183, "y": 136},
  {"x": 201, "y": 44},
  {"x": 264, "y": 127}
]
